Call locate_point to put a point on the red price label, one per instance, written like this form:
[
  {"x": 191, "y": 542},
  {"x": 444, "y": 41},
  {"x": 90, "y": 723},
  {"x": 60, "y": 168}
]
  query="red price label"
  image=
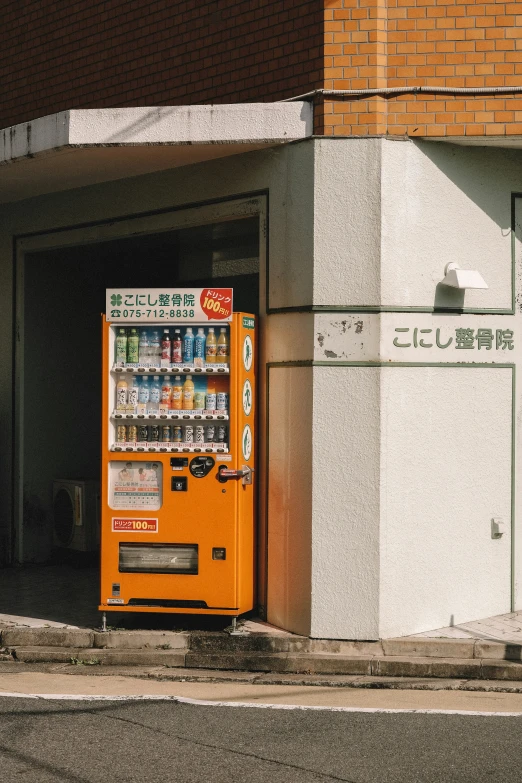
[
  {"x": 216, "y": 303},
  {"x": 134, "y": 525}
]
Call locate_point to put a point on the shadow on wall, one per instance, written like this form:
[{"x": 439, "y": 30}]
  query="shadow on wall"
[
  {"x": 475, "y": 171},
  {"x": 483, "y": 175}
]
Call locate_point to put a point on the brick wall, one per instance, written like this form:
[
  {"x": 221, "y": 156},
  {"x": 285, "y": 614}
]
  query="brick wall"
[
  {"x": 89, "y": 53},
  {"x": 413, "y": 43}
]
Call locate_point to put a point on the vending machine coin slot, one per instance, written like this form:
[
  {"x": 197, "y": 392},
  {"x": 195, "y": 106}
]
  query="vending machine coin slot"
[
  {"x": 178, "y": 483},
  {"x": 201, "y": 466}
]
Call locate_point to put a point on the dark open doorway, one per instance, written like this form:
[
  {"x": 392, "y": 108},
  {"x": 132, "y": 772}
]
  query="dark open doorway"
[{"x": 62, "y": 344}]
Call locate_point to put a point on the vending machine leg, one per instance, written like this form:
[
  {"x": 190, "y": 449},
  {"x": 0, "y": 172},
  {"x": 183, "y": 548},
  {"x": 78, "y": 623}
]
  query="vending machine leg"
[
  {"x": 104, "y": 622},
  {"x": 235, "y": 631}
]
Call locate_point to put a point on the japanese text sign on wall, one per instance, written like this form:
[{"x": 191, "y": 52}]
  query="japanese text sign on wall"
[
  {"x": 461, "y": 338},
  {"x": 150, "y": 305}
]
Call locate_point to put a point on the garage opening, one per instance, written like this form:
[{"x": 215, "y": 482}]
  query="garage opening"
[{"x": 63, "y": 298}]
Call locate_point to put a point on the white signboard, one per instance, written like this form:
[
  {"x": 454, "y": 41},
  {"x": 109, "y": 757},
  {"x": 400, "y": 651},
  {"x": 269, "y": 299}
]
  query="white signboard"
[
  {"x": 135, "y": 486},
  {"x": 154, "y": 305}
]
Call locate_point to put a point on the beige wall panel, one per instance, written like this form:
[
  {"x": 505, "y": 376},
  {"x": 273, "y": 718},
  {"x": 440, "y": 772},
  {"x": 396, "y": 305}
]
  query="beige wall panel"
[{"x": 290, "y": 497}]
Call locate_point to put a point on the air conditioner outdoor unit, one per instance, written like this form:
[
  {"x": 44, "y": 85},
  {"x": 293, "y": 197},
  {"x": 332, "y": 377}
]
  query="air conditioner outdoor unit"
[{"x": 76, "y": 512}]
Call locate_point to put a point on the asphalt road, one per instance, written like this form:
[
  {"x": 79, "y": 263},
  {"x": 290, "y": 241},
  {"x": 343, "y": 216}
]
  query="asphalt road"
[{"x": 109, "y": 741}]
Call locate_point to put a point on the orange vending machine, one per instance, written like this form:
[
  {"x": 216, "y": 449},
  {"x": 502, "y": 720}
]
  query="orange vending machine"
[{"x": 178, "y": 453}]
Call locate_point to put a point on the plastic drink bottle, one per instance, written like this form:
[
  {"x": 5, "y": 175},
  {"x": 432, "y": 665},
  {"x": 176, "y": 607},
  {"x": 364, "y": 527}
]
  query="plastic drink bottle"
[
  {"x": 155, "y": 348},
  {"x": 166, "y": 349},
  {"x": 144, "y": 347},
  {"x": 121, "y": 347},
  {"x": 144, "y": 391},
  {"x": 166, "y": 394},
  {"x": 211, "y": 396},
  {"x": 132, "y": 397},
  {"x": 222, "y": 347},
  {"x": 121, "y": 395},
  {"x": 177, "y": 394},
  {"x": 211, "y": 346},
  {"x": 199, "y": 348},
  {"x": 188, "y": 347},
  {"x": 133, "y": 343},
  {"x": 177, "y": 350},
  {"x": 155, "y": 394},
  {"x": 199, "y": 400},
  {"x": 188, "y": 394}
]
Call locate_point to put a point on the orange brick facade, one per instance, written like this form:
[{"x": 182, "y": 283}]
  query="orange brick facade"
[
  {"x": 93, "y": 54},
  {"x": 428, "y": 43}
]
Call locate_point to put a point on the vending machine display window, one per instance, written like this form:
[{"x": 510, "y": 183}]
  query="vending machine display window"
[
  {"x": 136, "y": 485},
  {"x": 170, "y": 388}
]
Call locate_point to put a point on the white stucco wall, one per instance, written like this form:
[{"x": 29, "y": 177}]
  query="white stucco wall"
[
  {"x": 445, "y": 473},
  {"x": 345, "y": 503}
]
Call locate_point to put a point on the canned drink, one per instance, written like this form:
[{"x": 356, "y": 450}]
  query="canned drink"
[
  {"x": 121, "y": 433},
  {"x": 210, "y": 433},
  {"x": 200, "y": 434},
  {"x": 199, "y": 400},
  {"x": 177, "y": 433},
  {"x": 166, "y": 433},
  {"x": 211, "y": 402},
  {"x": 221, "y": 434},
  {"x": 154, "y": 432},
  {"x": 143, "y": 432},
  {"x": 132, "y": 433},
  {"x": 189, "y": 433},
  {"x": 222, "y": 401}
]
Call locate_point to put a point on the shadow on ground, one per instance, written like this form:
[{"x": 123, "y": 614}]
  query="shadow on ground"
[{"x": 69, "y": 593}]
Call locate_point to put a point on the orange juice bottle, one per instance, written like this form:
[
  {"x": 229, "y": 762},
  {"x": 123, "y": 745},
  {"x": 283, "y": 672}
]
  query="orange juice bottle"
[
  {"x": 211, "y": 347},
  {"x": 188, "y": 394},
  {"x": 222, "y": 347},
  {"x": 176, "y": 399}
]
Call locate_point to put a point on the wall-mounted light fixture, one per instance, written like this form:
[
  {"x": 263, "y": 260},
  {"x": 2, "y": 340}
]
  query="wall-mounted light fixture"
[{"x": 462, "y": 278}]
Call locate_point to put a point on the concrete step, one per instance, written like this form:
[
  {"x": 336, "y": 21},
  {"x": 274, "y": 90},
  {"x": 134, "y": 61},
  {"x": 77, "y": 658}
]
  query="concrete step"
[
  {"x": 377, "y": 666},
  {"x": 74, "y": 637},
  {"x": 215, "y": 641},
  {"x": 92, "y": 656},
  {"x": 289, "y": 663}
]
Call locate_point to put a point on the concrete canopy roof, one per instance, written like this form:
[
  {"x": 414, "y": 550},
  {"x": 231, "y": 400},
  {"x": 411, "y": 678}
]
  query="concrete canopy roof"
[{"x": 82, "y": 147}]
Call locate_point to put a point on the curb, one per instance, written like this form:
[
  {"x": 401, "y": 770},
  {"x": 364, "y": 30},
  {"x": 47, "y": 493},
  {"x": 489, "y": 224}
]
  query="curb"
[
  {"x": 449, "y": 659},
  {"x": 164, "y": 674}
]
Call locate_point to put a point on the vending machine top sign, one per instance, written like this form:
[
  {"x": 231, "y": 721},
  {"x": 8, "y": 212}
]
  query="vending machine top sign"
[{"x": 154, "y": 305}]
